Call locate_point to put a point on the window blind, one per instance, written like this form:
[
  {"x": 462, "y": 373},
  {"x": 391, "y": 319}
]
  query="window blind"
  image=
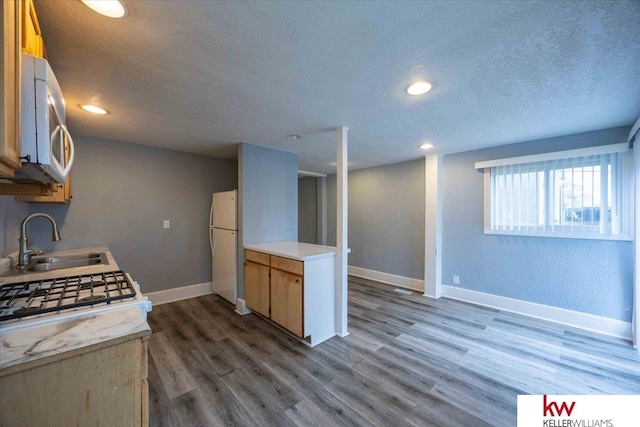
[{"x": 582, "y": 193}]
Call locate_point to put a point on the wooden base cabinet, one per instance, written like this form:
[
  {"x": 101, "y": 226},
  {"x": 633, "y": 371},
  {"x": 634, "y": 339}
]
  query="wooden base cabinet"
[
  {"x": 107, "y": 386},
  {"x": 286, "y": 296},
  {"x": 297, "y": 295},
  {"x": 257, "y": 288}
]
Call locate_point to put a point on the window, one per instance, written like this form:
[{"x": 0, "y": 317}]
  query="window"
[{"x": 584, "y": 193}]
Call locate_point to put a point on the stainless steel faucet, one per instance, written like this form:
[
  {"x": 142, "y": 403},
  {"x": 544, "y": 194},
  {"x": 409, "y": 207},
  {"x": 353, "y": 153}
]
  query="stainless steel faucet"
[{"x": 25, "y": 252}]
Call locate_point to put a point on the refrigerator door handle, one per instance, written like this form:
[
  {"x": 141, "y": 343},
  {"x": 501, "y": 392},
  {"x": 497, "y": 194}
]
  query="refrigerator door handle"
[
  {"x": 213, "y": 248},
  {"x": 213, "y": 204}
]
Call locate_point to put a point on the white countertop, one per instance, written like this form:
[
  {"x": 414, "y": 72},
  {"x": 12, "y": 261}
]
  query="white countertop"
[
  {"x": 295, "y": 250},
  {"x": 39, "y": 342}
]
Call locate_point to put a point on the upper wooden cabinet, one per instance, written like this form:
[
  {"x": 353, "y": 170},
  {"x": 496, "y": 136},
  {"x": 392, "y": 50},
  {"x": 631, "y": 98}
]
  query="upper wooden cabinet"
[
  {"x": 62, "y": 193},
  {"x": 11, "y": 88},
  {"x": 32, "y": 42},
  {"x": 21, "y": 33}
]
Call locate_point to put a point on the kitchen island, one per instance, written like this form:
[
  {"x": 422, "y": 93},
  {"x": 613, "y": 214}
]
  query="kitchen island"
[
  {"x": 81, "y": 366},
  {"x": 292, "y": 284}
]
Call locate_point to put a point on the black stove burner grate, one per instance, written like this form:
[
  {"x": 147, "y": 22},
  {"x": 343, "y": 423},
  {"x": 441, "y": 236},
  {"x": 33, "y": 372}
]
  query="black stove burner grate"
[{"x": 44, "y": 296}]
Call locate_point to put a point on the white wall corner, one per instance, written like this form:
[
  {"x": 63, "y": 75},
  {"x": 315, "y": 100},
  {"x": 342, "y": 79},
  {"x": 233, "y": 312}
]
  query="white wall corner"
[
  {"x": 437, "y": 294},
  {"x": 576, "y": 319},
  {"x": 178, "y": 294}
]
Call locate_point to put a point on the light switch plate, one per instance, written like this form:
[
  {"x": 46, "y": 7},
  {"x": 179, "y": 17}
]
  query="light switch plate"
[{"x": 167, "y": 223}]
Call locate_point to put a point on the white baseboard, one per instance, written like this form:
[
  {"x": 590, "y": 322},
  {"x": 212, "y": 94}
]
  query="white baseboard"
[
  {"x": 241, "y": 307},
  {"x": 177, "y": 294},
  {"x": 589, "y": 322},
  {"x": 390, "y": 279}
]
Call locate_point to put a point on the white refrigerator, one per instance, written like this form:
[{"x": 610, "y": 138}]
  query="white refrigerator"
[{"x": 223, "y": 239}]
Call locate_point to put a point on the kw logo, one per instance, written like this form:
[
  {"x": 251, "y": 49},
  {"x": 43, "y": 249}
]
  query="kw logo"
[{"x": 549, "y": 407}]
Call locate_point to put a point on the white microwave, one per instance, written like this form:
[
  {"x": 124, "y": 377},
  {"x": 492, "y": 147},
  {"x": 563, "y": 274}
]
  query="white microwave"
[{"x": 44, "y": 133}]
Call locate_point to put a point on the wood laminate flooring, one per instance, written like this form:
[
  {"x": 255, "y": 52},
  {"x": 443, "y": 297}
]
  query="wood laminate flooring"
[{"x": 408, "y": 361}]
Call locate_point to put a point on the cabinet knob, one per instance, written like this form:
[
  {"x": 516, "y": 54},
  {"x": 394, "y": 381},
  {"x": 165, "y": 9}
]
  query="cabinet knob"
[{"x": 297, "y": 280}]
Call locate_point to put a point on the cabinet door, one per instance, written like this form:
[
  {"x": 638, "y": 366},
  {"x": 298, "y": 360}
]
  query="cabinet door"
[
  {"x": 62, "y": 195},
  {"x": 31, "y": 401},
  {"x": 286, "y": 301},
  {"x": 31, "y": 35},
  {"x": 10, "y": 88},
  {"x": 256, "y": 287}
]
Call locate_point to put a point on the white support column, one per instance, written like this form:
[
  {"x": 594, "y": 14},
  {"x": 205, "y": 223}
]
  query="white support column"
[
  {"x": 635, "y": 317},
  {"x": 342, "y": 233},
  {"x": 634, "y": 136},
  {"x": 433, "y": 226},
  {"x": 321, "y": 210}
]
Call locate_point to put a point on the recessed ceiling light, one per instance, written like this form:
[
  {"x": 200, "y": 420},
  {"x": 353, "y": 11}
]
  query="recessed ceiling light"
[
  {"x": 94, "y": 109},
  {"x": 293, "y": 136},
  {"x": 426, "y": 146},
  {"x": 110, "y": 8},
  {"x": 419, "y": 88}
]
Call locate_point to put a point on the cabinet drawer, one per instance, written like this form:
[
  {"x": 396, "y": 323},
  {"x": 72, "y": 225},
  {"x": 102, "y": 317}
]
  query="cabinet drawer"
[
  {"x": 258, "y": 257},
  {"x": 286, "y": 264}
]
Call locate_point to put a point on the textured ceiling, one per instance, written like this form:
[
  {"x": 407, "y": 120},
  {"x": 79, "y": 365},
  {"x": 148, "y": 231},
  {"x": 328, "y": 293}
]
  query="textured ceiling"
[{"x": 202, "y": 76}]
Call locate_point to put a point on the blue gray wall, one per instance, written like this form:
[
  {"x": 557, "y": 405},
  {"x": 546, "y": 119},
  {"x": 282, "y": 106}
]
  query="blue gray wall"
[
  {"x": 307, "y": 210},
  {"x": 268, "y": 205},
  {"x": 591, "y": 276},
  {"x": 386, "y": 218},
  {"x": 121, "y": 195},
  {"x": 11, "y": 215}
]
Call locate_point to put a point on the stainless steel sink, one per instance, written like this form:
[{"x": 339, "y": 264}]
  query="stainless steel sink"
[{"x": 46, "y": 263}]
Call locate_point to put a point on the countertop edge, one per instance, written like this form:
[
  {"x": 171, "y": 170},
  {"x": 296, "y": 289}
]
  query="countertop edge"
[
  {"x": 260, "y": 247},
  {"x": 17, "y": 365},
  {"x": 23, "y": 366}
]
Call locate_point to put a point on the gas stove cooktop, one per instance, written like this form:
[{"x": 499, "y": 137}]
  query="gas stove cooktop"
[{"x": 36, "y": 297}]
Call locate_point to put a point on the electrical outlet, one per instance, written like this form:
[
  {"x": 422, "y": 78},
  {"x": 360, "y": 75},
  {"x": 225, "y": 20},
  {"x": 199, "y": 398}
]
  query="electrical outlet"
[
  {"x": 456, "y": 280},
  {"x": 167, "y": 223}
]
